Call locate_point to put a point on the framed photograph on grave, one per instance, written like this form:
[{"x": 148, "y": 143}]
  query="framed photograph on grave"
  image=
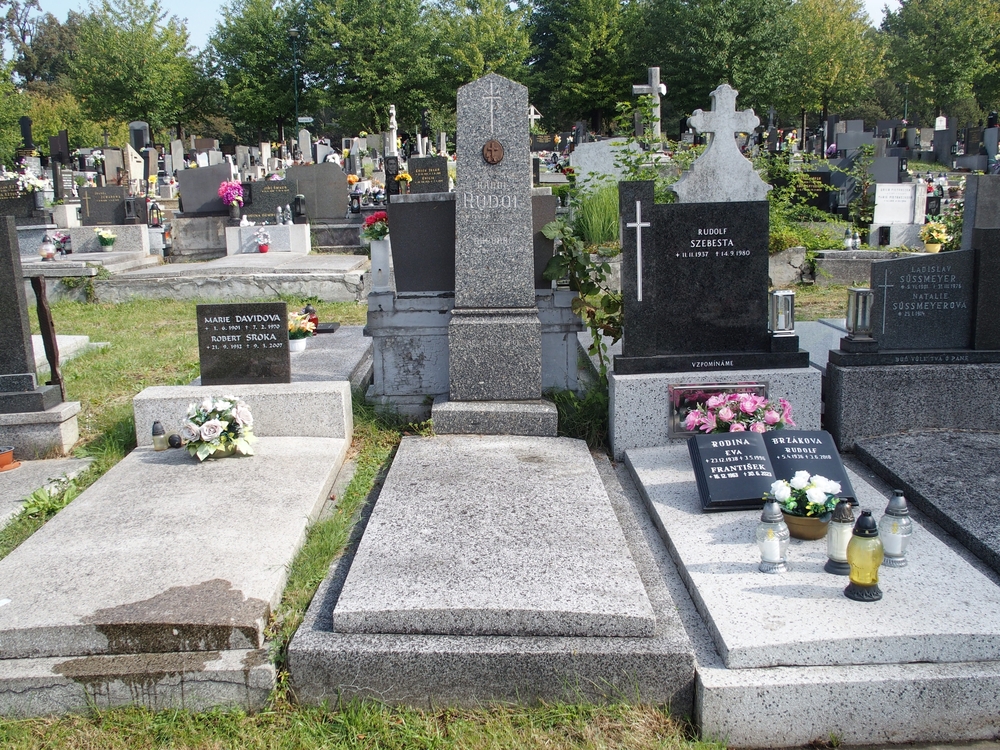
[{"x": 687, "y": 396}]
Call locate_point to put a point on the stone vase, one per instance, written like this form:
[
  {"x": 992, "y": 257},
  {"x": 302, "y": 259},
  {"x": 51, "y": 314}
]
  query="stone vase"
[
  {"x": 297, "y": 345},
  {"x": 381, "y": 258},
  {"x": 932, "y": 247},
  {"x": 807, "y": 527},
  {"x": 39, "y": 197},
  {"x": 234, "y": 211}
]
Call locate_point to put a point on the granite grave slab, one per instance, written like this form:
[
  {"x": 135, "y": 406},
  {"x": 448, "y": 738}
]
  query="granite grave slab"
[{"x": 243, "y": 343}]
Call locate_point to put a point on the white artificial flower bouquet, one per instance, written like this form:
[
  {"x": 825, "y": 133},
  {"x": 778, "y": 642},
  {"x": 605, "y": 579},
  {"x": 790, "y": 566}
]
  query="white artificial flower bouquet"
[
  {"x": 805, "y": 495},
  {"x": 218, "y": 424}
]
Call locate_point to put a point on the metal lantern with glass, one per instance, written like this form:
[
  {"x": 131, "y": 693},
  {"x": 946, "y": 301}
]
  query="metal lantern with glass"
[
  {"x": 895, "y": 528},
  {"x": 859, "y": 321},
  {"x": 772, "y": 539}
]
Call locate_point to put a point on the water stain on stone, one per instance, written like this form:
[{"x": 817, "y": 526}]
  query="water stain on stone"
[{"x": 210, "y": 616}]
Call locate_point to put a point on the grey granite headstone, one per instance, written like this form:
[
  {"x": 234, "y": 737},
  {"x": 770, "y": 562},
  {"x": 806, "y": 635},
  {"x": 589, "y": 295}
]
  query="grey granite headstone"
[
  {"x": 18, "y": 389},
  {"x": 325, "y": 187},
  {"x": 21, "y": 207},
  {"x": 429, "y": 173},
  {"x": 244, "y": 343},
  {"x": 177, "y": 153},
  {"x": 305, "y": 145},
  {"x": 495, "y": 334},
  {"x": 200, "y": 190},
  {"x": 923, "y": 302},
  {"x": 722, "y": 174},
  {"x": 114, "y": 164}
]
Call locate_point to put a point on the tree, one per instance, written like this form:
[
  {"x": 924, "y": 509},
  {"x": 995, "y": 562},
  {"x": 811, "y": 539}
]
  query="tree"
[
  {"x": 252, "y": 56},
  {"x": 480, "y": 37},
  {"x": 703, "y": 43},
  {"x": 834, "y": 56},
  {"x": 942, "y": 49},
  {"x": 133, "y": 63},
  {"x": 579, "y": 60},
  {"x": 12, "y": 107},
  {"x": 48, "y": 53},
  {"x": 364, "y": 55}
]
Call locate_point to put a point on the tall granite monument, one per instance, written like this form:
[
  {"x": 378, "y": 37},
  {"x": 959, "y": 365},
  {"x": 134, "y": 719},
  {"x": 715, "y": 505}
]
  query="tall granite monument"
[
  {"x": 33, "y": 418},
  {"x": 494, "y": 337}
]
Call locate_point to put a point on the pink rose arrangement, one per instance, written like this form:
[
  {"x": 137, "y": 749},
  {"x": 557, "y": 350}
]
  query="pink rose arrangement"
[
  {"x": 231, "y": 193},
  {"x": 739, "y": 412}
]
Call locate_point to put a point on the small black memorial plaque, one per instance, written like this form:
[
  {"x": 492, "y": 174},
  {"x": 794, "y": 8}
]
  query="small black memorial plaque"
[
  {"x": 543, "y": 142},
  {"x": 733, "y": 470},
  {"x": 429, "y": 173},
  {"x": 244, "y": 343}
]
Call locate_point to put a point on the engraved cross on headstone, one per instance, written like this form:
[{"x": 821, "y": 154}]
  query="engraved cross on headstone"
[
  {"x": 655, "y": 89},
  {"x": 638, "y": 225},
  {"x": 885, "y": 286},
  {"x": 493, "y": 98}
]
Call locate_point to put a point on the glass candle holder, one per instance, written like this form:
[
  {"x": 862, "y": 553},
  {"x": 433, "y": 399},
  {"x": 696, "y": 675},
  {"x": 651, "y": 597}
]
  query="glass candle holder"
[
  {"x": 864, "y": 555},
  {"x": 772, "y": 539},
  {"x": 895, "y": 529}
]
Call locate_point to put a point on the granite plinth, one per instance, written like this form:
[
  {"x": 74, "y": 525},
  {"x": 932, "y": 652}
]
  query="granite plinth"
[
  {"x": 881, "y": 400},
  {"x": 943, "y": 474},
  {"x": 494, "y": 536},
  {"x": 495, "y": 355},
  {"x": 912, "y": 357},
  {"x": 37, "y": 434},
  {"x": 129, "y": 239},
  {"x": 538, "y": 418},
  {"x": 802, "y": 618},
  {"x": 639, "y": 408},
  {"x": 284, "y": 238},
  {"x": 318, "y": 409},
  {"x": 471, "y": 670},
  {"x": 177, "y": 555},
  {"x": 42, "y": 398},
  {"x": 710, "y": 361},
  {"x": 196, "y": 681}
]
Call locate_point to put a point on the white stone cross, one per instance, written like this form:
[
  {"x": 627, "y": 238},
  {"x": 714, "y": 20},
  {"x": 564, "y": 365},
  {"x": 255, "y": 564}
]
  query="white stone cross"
[
  {"x": 533, "y": 115},
  {"x": 638, "y": 225},
  {"x": 885, "y": 286},
  {"x": 492, "y": 98},
  {"x": 724, "y": 119},
  {"x": 655, "y": 89}
]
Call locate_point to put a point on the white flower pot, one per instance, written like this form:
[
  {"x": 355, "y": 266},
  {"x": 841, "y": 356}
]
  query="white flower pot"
[
  {"x": 297, "y": 345},
  {"x": 381, "y": 262}
]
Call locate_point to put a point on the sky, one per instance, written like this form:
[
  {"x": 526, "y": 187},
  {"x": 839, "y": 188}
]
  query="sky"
[{"x": 202, "y": 15}]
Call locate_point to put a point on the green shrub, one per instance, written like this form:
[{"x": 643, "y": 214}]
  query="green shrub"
[{"x": 596, "y": 218}]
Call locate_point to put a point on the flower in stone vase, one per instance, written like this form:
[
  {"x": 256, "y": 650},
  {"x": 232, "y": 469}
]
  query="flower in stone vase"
[
  {"x": 934, "y": 232},
  {"x": 404, "y": 177},
  {"x": 376, "y": 226},
  {"x": 805, "y": 495},
  {"x": 299, "y": 326},
  {"x": 231, "y": 192},
  {"x": 262, "y": 236},
  {"x": 216, "y": 424},
  {"x": 737, "y": 412}
]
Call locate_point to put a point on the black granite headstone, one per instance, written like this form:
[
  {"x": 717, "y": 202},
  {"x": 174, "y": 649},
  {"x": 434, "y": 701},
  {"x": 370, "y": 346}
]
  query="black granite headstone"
[
  {"x": 21, "y": 207},
  {"x": 27, "y": 143},
  {"x": 18, "y": 389},
  {"x": 244, "y": 343},
  {"x": 923, "y": 302},
  {"x": 262, "y": 199},
  {"x": 734, "y": 470},
  {"x": 694, "y": 284},
  {"x": 105, "y": 206},
  {"x": 59, "y": 147},
  {"x": 543, "y": 142},
  {"x": 429, "y": 173}
]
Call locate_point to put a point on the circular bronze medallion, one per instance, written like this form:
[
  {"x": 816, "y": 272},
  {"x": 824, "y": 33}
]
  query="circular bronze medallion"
[{"x": 493, "y": 152}]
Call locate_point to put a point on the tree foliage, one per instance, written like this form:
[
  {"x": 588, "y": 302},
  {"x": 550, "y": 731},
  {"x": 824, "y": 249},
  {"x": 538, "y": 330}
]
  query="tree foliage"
[
  {"x": 133, "y": 64},
  {"x": 476, "y": 37}
]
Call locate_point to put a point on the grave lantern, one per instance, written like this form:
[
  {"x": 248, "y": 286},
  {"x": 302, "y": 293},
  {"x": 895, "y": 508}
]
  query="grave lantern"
[
  {"x": 47, "y": 249},
  {"x": 782, "y": 307},
  {"x": 895, "y": 528},
  {"x": 355, "y": 203},
  {"x": 772, "y": 539},
  {"x": 864, "y": 555},
  {"x": 155, "y": 215},
  {"x": 130, "y": 210},
  {"x": 859, "y": 313},
  {"x": 838, "y": 535}
]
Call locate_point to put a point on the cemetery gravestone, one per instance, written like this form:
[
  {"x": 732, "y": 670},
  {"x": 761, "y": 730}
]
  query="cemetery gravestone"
[
  {"x": 19, "y": 391},
  {"x": 543, "y": 142},
  {"x": 429, "y": 173},
  {"x": 114, "y": 165},
  {"x": 244, "y": 343},
  {"x": 200, "y": 190},
  {"x": 305, "y": 145},
  {"x": 20, "y": 207},
  {"x": 325, "y": 188},
  {"x": 899, "y": 204},
  {"x": 177, "y": 153},
  {"x": 981, "y": 234},
  {"x": 262, "y": 199},
  {"x": 106, "y": 205},
  {"x": 494, "y": 337},
  {"x": 59, "y": 147},
  {"x": 391, "y": 170}
]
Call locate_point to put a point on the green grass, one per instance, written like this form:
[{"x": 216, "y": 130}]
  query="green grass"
[
  {"x": 813, "y": 302},
  {"x": 596, "y": 218}
]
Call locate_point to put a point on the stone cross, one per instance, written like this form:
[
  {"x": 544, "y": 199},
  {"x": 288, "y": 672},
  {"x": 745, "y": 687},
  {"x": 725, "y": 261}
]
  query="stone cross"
[
  {"x": 655, "y": 89},
  {"x": 638, "y": 225},
  {"x": 533, "y": 115},
  {"x": 722, "y": 174}
]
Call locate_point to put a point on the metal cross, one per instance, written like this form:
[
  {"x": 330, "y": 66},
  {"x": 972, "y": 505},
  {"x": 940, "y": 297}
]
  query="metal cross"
[
  {"x": 638, "y": 226},
  {"x": 492, "y": 98},
  {"x": 885, "y": 286}
]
